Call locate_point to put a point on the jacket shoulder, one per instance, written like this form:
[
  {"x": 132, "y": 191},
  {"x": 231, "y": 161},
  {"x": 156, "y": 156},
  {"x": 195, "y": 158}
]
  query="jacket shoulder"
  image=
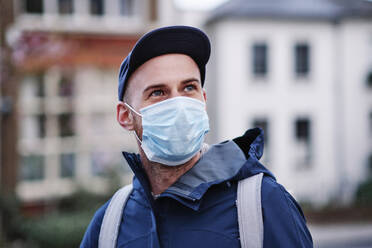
[
  {"x": 91, "y": 235},
  {"x": 284, "y": 221}
]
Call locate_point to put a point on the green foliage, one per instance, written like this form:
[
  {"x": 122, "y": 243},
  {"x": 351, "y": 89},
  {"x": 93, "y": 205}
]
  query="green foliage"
[
  {"x": 364, "y": 194},
  {"x": 81, "y": 200},
  {"x": 57, "y": 230},
  {"x": 64, "y": 227},
  {"x": 11, "y": 217}
]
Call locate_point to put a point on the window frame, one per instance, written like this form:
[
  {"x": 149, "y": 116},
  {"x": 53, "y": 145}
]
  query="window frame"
[
  {"x": 302, "y": 59},
  {"x": 96, "y": 12},
  {"x": 71, "y": 158},
  {"x": 26, "y": 5},
  {"x": 304, "y": 141},
  {"x": 123, "y": 4},
  {"x": 25, "y": 174},
  {"x": 260, "y": 59},
  {"x": 60, "y": 5}
]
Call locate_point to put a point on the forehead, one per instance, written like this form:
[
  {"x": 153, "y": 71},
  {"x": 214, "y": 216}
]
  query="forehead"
[{"x": 164, "y": 69}]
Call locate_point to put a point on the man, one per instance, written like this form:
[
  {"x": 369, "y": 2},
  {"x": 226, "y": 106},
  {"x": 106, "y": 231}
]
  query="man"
[{"x": 184, "y": 191}]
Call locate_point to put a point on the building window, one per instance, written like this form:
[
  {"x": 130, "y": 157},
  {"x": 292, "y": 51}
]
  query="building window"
[
  {"x": 369, "y": 80},
  {"x": 66, "y": 86},
  {"x": 259, "y": 59},
  {"x": 33, "y": 86},
  {"x": 40, "y": 86},
  {"x": 41, "y": 125},
  {"x": 66, "y": 124},
  {"x": 33, "y": 6},
  {"x": 32, "y": 168},
  {"x": 303, "y": 130},
  {"x": 67, "y": 163},
  {"x": 262, "y": 123},
  {"x": 65, "y": 7},
  {"x": 302, "y": 59},
  {"x": 126, "y": 7},
  {"x": 96, "y": 7},
  {"x": 303, "y": 143}
]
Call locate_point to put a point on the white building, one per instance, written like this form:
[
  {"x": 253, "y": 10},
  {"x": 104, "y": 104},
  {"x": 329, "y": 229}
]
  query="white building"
[{"x": 302, "y": 70}]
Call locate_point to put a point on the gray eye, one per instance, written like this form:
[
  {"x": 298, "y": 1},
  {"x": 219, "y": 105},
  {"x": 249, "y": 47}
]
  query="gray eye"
[
  {"x": 157, "y": 93},
  {"x": 189, "y": 87}
]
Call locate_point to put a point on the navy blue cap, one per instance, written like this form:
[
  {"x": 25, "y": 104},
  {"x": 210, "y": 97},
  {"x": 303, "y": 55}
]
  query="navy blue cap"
[{"x": 174, "y": 39}]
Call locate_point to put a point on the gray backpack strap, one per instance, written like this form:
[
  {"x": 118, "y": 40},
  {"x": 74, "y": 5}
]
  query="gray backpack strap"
[
  {"x": 250, "y": 212},
  {"x": 112, "y": 218}
]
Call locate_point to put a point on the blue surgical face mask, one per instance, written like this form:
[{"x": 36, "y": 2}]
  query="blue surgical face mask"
[{"x": 173, "y": 130}]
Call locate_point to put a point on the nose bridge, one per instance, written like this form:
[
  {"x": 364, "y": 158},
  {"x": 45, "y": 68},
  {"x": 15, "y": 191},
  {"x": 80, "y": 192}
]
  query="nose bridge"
[{"x": 175, "y": 92}]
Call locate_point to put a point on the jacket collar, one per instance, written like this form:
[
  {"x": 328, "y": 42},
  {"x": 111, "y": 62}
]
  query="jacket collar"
[{"x": 214, "y": 167}]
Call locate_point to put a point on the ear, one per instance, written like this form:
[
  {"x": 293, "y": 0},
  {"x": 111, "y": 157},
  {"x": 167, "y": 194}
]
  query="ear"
[
  {"x": 124, "y": 116},
  {"x": 205, "y": 96}
]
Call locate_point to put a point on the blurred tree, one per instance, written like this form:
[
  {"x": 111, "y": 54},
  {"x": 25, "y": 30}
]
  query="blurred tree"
[
  {"x": 364, "y": 192},
  {"x": 8, "y": 100},
  {"x": 8, "y": 113},
  {"x": 12, "y": 218}
]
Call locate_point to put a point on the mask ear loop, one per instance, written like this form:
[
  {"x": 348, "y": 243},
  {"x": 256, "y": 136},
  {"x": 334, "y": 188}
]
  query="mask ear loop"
[{"x": 132, "y": 109}]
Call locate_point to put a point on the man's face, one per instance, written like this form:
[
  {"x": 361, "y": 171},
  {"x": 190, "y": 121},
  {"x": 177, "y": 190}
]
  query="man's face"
[{"x": 161, "y": 78}]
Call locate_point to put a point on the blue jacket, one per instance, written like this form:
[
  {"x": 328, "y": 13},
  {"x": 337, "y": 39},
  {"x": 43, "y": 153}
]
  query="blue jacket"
[{"x": 199, "y": 209}]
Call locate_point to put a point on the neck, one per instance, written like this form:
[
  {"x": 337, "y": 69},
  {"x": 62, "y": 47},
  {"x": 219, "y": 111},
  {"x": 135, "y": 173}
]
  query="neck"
[{"x": 161, "y": 176}]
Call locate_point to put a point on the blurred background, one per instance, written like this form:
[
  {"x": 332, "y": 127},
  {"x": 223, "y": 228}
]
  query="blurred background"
[{"x": 299, "y": 69}]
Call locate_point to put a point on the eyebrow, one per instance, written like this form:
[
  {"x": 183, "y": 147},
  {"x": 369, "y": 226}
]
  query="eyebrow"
[
  {"x": 160, "y": 85},
  {"x": 154, "y": 86},
  {"x": 190, "y": 80}
]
